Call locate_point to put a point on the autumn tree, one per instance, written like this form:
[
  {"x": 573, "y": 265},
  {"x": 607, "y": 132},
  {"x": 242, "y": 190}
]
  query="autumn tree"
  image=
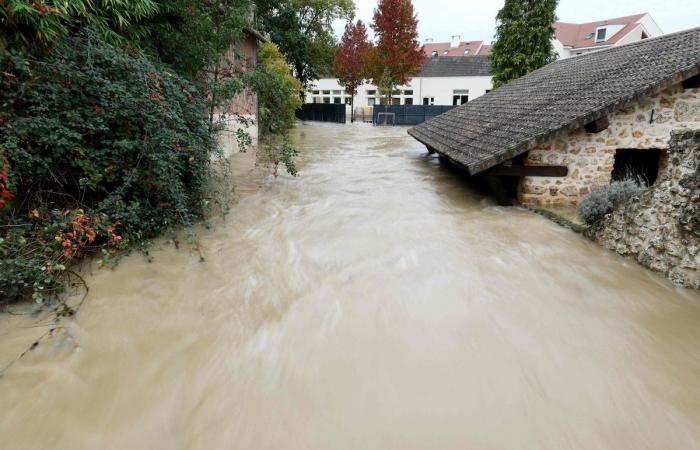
[
  {"x": 524, "y": 35},
  {"x": 397, "y": 55},
  {"x": 350, "y": 63}
]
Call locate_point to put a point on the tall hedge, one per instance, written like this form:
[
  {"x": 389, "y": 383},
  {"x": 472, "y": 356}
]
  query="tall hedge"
[
  {"x": 99, "y": 147},
  {"x": 524, "y": 36}
]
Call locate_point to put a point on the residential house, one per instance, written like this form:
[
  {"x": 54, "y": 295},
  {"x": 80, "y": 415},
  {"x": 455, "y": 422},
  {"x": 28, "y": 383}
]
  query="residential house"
[
  {"x": 579, "y": 122},
  {"x": 456, "y": 47},
  {"x": 574, "y": 39},
  {"x": 443, "y": 80}
]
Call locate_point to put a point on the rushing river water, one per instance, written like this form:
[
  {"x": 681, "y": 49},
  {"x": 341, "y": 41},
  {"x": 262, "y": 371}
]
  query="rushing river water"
[{"x": 375, "y": 302}]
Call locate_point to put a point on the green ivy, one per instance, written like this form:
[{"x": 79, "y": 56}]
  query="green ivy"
[{"x": 103, "y": 149}]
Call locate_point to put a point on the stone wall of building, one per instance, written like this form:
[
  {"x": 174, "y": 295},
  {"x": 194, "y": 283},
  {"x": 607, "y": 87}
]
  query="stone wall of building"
[
  {"x": 661, "y": 228},
  {"x": 590, "y": 157}
]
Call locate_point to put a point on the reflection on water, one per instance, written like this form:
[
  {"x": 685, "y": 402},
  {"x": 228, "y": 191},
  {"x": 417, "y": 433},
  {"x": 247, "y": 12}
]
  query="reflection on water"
[{"x": 375, "y": 302}]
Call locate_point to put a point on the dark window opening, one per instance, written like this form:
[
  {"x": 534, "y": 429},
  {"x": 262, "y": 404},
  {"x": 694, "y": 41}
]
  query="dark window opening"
[
  {"x": 637, "y": 165},
  {"x": 692, "y": 83},
  {"x": 644, "y": 35},
  {"x": 459, "y": 100}
]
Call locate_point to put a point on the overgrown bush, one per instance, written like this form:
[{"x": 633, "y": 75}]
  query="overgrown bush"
[
  {"x": 99, "y": 148},
  {"x": 278, "y": 100},
  {"x": 603, "y": 200}
]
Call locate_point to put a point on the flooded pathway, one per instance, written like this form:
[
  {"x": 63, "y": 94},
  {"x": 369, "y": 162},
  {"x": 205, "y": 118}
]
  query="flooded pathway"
[{"x": 375, "y": 302}]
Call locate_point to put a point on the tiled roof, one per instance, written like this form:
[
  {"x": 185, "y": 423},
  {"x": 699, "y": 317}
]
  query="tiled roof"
[
  {"x": 456, "y": 66},
  {"x": 578, "y": 35},
  {"x": 442, "y": 47},
  {"x": 564, "y": 95}
]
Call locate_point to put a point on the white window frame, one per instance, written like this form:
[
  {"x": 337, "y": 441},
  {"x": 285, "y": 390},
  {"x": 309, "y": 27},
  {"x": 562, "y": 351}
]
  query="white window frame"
[{"x": 597, "y": 34}]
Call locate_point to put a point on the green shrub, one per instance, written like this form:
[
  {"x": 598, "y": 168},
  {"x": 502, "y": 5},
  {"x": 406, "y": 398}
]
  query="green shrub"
[
  {"x": 603, "y": 200},
  {"x": 102, "y": 149}
]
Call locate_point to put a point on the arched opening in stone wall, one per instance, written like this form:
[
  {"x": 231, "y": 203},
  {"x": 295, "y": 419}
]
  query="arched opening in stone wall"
[{"x": 638, "y": 165}]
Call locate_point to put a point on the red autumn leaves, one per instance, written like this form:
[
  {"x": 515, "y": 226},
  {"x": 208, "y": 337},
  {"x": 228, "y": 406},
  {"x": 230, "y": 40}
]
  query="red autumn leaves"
[
  {"x": 352, "y": 58},
  {"x": 83, "y": 231},
  {"x": 395, "y": 26},
  {"x": 5, "y": 194},
  {"x": 396, "y": 52}
]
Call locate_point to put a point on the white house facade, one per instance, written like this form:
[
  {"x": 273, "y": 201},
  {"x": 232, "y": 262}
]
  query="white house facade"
[{"x": 443, "y": 80}]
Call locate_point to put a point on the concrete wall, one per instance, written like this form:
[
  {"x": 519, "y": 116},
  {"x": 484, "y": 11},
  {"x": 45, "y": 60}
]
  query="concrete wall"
[
  {"x": 440, "y": 88},
  {"x": 241, "y": 111},
  {"x": 591, "y": 157},
  {"x": 243, "y": 57},
  {"x": 661, "y": 228}
]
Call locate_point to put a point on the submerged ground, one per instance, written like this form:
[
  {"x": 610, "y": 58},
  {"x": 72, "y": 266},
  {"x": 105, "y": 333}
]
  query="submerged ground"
[{"x": 374, "y": 302}]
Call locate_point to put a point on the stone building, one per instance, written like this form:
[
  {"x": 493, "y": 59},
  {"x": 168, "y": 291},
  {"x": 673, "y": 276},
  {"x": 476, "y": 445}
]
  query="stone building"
[
  {"x": 577, "y": 123},
  {"x": 661, "y": 228}
]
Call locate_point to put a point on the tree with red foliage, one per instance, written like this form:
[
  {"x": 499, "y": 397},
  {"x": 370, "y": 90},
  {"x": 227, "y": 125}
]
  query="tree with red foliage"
[
  {"x": 5, "y": 194},
  {"x": 350, "y": 63},
  {"x": 397, "y": 56}
]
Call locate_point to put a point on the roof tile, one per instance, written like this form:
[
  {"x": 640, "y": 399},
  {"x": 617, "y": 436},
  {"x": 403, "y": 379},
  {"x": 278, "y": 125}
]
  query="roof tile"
[{"x": 566, "y": 94}]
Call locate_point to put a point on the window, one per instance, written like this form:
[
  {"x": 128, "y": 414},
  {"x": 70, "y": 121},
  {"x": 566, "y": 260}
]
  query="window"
[
  {"x": 326, "y": 92},
  {"x": 408, "y": 101},
  {"x": 337, "y": 100},
  {"x": 466, "y": 51},
  {"x": 435, "y": 53},
  {"x": 460, "y": 96},
  {"x": 428, "y": 101},
  {"x": 600, "y": 34},
  {"x": 337, "y": 92},
  {"x": 395, "y": 101},
  {"x": 348, "y": 100},
  {"x": 445, "y": 52},
  {"x": 407, "y": 92},
  {"x": 326, "y": 100},
  {"x": 316, "y": 92},
  {"x": 641, "y": 165},
  {"x": 396, "y": 93},
  {"x": 371, "y": 92},
  {"x": 459, "y": 99}
]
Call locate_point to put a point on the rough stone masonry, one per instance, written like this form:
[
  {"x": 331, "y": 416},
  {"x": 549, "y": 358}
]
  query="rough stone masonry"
[
  {"x": 661, "y": 228},
  {"x": 645, "y": 124}
]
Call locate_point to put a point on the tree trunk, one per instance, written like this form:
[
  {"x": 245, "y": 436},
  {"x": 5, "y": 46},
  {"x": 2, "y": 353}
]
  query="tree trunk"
[{"x": 352, "y": 108}]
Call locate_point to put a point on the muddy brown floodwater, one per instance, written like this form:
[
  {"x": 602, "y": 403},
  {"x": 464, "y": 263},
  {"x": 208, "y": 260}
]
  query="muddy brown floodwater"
[{"x": 374, "y": 302}]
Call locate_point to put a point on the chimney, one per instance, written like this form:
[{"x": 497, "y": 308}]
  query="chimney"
[
  {"x": 428, "y": 40},
  {"x": 456, "y": 41}
]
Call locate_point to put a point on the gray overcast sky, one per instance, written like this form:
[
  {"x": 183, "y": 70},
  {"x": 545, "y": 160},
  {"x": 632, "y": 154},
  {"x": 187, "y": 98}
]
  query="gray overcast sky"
[{"x": 474, "y": 20}]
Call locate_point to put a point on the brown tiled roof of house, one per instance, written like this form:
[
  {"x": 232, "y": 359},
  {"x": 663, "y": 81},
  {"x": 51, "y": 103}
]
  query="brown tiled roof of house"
[
  {"x": 564, "y": 95},
  {"x": 579, "y": 35},
  {"x": 474, "y": 48}
]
